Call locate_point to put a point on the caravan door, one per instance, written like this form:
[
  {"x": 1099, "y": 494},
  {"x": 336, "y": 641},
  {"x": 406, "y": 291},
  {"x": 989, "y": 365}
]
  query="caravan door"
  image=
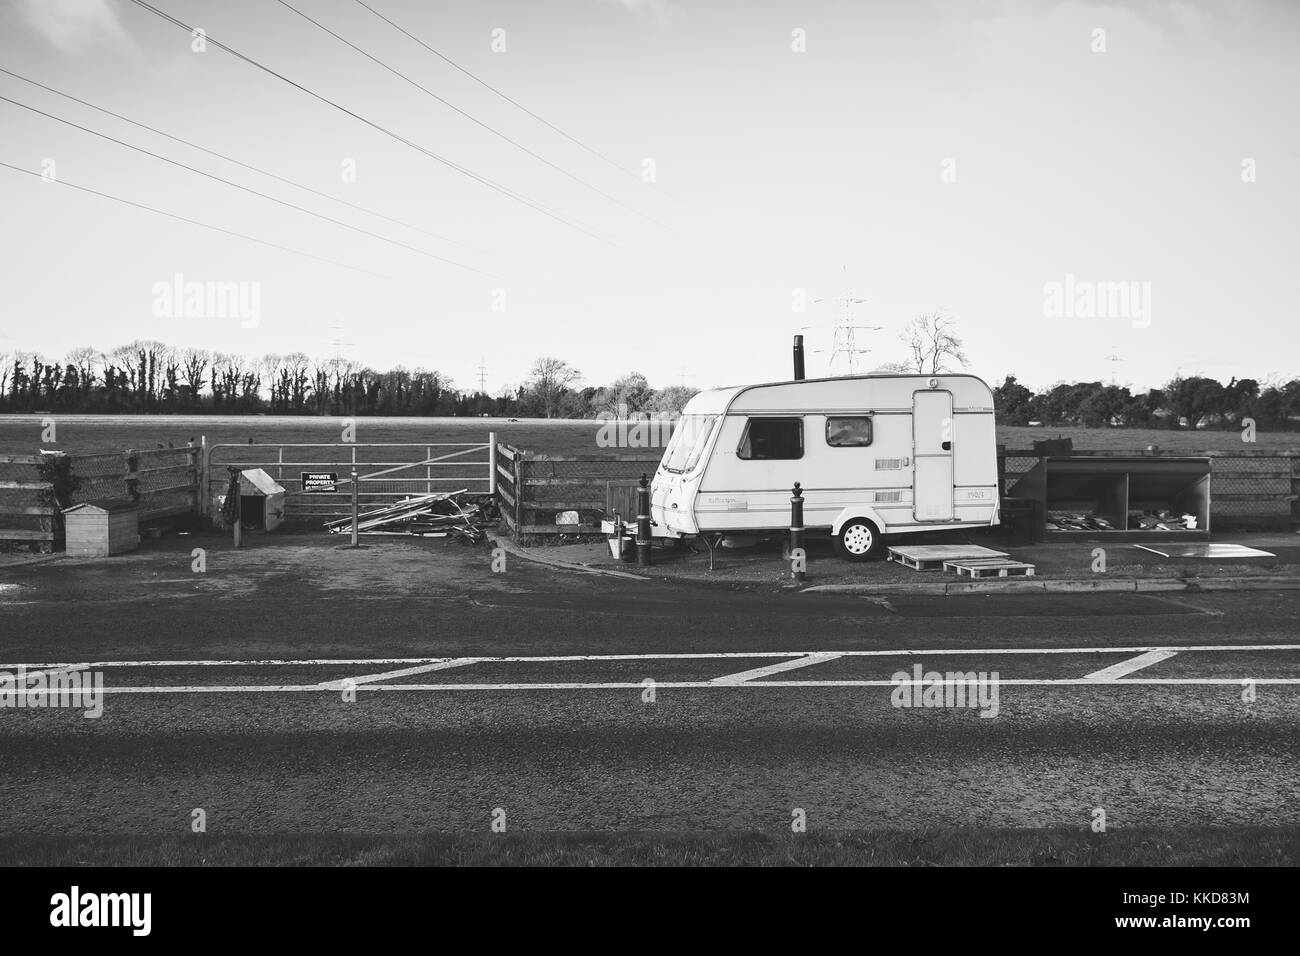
[{"x": 932, "y": 456}]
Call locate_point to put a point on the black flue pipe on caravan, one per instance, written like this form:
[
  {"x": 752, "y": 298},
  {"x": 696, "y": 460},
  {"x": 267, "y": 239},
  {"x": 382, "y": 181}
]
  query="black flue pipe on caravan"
[{"x": 798, "y": 358}]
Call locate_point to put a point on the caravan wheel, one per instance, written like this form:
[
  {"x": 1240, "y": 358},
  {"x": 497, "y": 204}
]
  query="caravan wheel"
[{"x": 859, "y": 540}]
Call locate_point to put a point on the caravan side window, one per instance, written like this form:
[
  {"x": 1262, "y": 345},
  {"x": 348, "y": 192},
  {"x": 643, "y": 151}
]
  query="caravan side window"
[
  {"x": 848, "y": 432},
  {"x": 768, "y": 439}
]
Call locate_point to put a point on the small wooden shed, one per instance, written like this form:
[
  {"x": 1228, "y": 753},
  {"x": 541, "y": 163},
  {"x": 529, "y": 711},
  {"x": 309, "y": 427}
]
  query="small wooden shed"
[
  {"x": 101, "y": 528},
  {"x": 261, "y": 500}
]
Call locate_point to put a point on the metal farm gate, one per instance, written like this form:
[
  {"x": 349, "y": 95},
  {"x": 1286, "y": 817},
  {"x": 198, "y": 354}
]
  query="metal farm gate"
[{"x": 387, "y": 473}]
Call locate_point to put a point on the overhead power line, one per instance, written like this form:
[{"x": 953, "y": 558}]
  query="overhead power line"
[
  {"x": 247, "y": 189},
  {"x": 473, "y": 119},
  {"x": 196, "y": 222},
  {"x": 450, "y": 164},
  {"x": 231, "y": 159},
  {"x": 515, "y": 103}
]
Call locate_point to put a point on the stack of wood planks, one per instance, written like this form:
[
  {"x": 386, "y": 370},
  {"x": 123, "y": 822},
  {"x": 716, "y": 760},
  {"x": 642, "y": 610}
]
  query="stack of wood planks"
[{"x": 441, "y": 515}]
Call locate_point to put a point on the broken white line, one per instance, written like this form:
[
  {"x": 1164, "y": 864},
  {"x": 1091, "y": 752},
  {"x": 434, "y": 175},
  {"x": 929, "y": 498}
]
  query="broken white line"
[
  {"x": 1116, "y": 671},
  {"x": 440, "y": 665},
  {"x": 749, "y": 675}
]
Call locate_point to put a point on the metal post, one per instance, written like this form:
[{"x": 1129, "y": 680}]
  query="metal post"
[
  {"x": 205, "y": 489},
  {"x": 492, "y": 464},
  {"x": 354, "y": 508},
  {"x": 643, "y": 522},
  {"x": 238, "y": 509},
  {"x": 192, "y": 463},
  {"x": 796, "y": 530},
  {"x": 428, "y": 472}
]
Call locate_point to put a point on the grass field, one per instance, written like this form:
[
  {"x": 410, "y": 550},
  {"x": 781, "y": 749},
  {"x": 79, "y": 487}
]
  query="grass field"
[{"x": 84, "y": 434}]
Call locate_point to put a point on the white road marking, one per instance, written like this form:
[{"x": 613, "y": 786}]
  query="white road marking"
[
  {"x": 707, "y": 655},
  {"x": 1116, "y": 671},
  {"x": 1152, "y": 550},
  {"x": 778, "y": 668},
  {"x": 783, "y": 661},
  {"x": 688, "y": 685},
  {"x": 46, "y": 671},
  {"x": 438, "y": 665}
]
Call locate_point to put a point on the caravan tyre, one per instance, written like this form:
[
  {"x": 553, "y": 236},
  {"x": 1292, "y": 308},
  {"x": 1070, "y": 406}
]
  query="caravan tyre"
[{"x": 859, "y": 540}]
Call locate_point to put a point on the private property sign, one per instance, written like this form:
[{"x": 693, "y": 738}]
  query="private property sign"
[{"x": 319, "y": 480}]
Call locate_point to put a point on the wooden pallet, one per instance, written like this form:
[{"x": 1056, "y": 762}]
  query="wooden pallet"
[
  {"x": 990, "y": 568},
  {"x": 931, "y": 557}
]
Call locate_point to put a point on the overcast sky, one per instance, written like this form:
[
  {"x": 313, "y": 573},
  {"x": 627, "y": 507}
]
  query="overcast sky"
[{"x": 949, "y": 155}]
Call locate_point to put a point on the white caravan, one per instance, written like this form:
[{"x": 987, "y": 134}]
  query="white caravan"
[{"x": 875, "y": 455}]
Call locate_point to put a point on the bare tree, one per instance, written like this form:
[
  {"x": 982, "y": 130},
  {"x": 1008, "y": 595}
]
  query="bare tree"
[
  {"x": 933, "y": 346},
  {"x": 297, "y": 367},
  {"x": 194, "y": 365},
  {"x": 124, "y": 359},
  {"x": 84, "y": 358},
  {"x": 278, "y": 371},
  {"x": 549, "y": 380}
]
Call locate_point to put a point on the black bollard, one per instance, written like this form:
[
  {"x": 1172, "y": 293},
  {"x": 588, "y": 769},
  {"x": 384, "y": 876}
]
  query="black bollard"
[
  {"x": 796, "y": 531},
  {"x": 643, "y": 521}
]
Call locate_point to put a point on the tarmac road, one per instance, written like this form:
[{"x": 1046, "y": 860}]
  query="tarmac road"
[{"x": 409, "y": 754}]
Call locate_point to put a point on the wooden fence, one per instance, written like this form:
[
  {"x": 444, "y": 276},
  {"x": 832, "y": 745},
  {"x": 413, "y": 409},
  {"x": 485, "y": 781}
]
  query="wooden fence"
[
  {"x": 542, "y": 494},
  {"x": 164, "y": 482},
  {"x": 27, "y": 512}
]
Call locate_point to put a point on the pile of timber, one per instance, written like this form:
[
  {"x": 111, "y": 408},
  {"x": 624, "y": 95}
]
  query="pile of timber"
[{"x": 441, "y": 515}]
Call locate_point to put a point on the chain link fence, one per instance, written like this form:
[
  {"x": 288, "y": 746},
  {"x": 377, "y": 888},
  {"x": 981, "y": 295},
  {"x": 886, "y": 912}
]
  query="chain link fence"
[
  {"x": 163, "y": 482},
  {"x": 1254, "y": 491},
  {"x": 545, "y": 493}
]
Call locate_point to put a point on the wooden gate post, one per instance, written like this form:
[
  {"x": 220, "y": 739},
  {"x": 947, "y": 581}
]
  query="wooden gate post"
[
  {"x": 519, "y": 493},
  {"x": 1294, "y": 458}
]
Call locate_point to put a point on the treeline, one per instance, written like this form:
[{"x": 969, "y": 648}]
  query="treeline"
[
  {"x": 1192, "y": 402},
  {"x": 147, "y": 377},
  {"x": 152, "y": 378}
]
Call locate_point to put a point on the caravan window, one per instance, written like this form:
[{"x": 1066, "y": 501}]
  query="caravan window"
[
  {"x": 690, "y": 435},
  {"x": 768, "y": 439},
  {"x": 848, "y": 432}
]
